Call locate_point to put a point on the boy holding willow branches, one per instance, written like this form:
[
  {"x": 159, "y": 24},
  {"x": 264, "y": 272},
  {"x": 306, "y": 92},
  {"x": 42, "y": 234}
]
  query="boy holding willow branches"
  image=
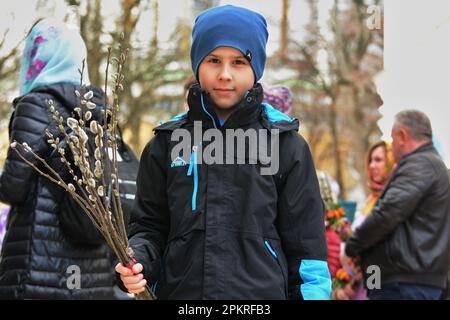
[{"x": 227, "y": 231}]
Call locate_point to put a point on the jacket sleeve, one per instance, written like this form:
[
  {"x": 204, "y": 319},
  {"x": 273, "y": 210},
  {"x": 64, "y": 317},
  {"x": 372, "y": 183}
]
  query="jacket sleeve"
[
  {"x": 30, "y": 121},
  {"x": 407, "y": 187},
  {"x": 149, "y": 224},
  {"x": 301, "y": 222}
]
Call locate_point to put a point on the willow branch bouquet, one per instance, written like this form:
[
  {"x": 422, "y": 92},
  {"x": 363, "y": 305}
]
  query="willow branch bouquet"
[{"x": 93, "y": 171}]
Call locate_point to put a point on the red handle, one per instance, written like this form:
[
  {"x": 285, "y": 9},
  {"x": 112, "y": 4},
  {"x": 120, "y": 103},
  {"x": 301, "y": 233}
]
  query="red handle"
[{"x": 131, "y": 265}]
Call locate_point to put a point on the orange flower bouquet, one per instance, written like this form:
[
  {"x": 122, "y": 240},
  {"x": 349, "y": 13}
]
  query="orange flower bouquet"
[
  {"x": 335, "y": 219},
  {"x": 341, "y": 279},
  {"x": 334, "y": 216}
]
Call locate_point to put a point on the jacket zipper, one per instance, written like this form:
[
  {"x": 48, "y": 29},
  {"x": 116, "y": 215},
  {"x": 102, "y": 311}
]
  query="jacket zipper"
[
  {"x": 204, "y": 109},
  {"x": 275, "y": 256},
  {"x": 272, "y": 252},
  {"x": 193, "y": 168}
]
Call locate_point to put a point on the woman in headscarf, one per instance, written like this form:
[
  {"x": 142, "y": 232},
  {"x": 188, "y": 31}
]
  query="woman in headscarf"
[
  {"x": 39, "y": 260},
  {"x": 278, "y": 96},
  {"x": 379, "y": 166}
]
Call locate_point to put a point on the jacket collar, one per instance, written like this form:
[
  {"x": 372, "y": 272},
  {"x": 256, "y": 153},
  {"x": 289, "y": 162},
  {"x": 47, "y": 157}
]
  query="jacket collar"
[
  {"x": 423, "y": 148},
  {"x": 247, "y": 111}
]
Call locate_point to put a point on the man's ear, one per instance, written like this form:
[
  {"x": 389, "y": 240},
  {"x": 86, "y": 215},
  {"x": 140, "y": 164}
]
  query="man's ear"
[{"x": 404, "y": 134}]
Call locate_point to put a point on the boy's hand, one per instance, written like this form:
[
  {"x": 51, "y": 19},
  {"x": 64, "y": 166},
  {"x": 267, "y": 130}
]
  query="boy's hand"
[{"x": 133, "y": 280}]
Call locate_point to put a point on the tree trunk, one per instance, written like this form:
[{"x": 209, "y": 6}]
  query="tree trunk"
[
  {"x": 84, "y": 21},
  {"x": 96, "y": 53},
  {"x": 336, "y": 150},
  {"x": 284, "y": 37},
  {"x": 154, "y": 43},
  {"x": 135, "y": 137}
]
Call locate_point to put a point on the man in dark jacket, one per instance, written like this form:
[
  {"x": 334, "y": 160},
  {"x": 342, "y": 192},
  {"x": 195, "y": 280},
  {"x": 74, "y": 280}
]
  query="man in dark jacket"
[{"x": 407, "y": 234}]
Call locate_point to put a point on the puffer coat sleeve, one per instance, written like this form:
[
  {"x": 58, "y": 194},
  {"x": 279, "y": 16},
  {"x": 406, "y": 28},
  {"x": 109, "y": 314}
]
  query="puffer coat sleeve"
[{"x": 28, "y": 124}]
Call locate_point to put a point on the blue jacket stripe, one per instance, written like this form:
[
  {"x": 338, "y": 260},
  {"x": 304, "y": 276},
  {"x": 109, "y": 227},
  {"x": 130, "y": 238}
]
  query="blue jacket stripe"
[
  {"x": 316, "y": 280},
  {"x": 274, "y": 115},
  {"x": 270, "y": 249},
  {"x": 193, "y": 167},
  {"x": 204, "y": 109}
]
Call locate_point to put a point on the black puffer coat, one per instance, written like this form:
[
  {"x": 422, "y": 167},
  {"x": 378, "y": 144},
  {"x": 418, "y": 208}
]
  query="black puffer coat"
[{"x": 38, "y": 260}]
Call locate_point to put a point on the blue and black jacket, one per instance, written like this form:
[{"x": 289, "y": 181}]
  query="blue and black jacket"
[{"x": 224, "y": 231}]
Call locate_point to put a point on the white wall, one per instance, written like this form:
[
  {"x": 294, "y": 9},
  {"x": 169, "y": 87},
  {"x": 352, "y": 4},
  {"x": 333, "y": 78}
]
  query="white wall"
[{"x": 417, "y": 64}]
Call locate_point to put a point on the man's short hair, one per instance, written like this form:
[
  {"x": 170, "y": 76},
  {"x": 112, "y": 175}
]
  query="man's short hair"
[{"x": 417, "y": 123}]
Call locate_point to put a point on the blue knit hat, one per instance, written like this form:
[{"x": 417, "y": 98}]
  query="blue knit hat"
[{"x": 230, "y": 26}]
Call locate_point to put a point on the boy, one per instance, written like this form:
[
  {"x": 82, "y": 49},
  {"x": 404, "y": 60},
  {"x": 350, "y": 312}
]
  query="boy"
[{"x": 225, "y": 231}]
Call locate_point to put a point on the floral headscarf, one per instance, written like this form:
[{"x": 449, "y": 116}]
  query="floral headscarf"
[
  {"x": 278, "y": 96},
  {"x": 374, "y": 186},
  {"x": 53, "y": 54}
]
